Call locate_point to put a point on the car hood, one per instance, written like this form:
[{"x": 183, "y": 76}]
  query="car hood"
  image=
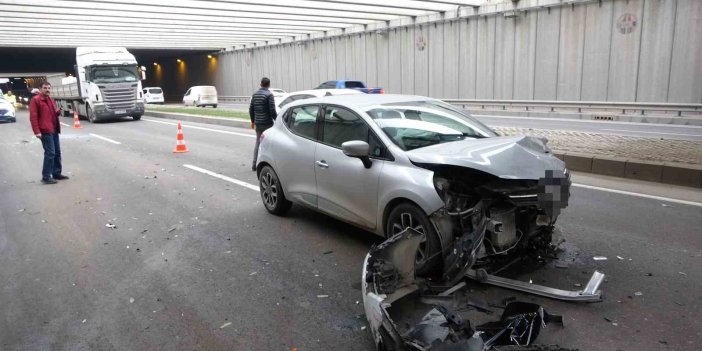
[{"x": 513, "y": 157}]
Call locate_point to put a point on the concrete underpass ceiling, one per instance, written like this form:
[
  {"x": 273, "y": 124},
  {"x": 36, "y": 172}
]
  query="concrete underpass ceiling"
[{"x": 195, "y": 24}]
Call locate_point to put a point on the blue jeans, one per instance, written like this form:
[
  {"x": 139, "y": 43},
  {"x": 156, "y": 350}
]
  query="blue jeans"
[{"x": 52, "y": 155}]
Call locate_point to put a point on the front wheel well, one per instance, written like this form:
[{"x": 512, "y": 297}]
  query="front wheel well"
[{"x": 390, "y": 206}]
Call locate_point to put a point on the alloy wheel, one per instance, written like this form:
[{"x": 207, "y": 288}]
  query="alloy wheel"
[
  {"x": 407, "y": 221},
  {"x": 269, "y": 189}
]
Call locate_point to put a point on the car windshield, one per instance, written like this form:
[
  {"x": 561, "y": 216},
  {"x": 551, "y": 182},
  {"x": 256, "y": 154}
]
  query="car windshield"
[
  {"x": 112, "y": 74},
  {"x": 416, "y": 124}
]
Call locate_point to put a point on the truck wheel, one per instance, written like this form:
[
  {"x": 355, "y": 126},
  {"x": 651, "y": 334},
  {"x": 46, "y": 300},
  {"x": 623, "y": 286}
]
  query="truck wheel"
[
  {"x": 214, "y": 106},
  {"x": 136, "y": 117},
  {"x": 89, "y": 112}
]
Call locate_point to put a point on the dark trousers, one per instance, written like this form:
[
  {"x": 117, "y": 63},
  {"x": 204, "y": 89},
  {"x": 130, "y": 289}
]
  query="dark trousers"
[
  {"x": 52, "y": 155},
  {"x": 260, "y": 128}
]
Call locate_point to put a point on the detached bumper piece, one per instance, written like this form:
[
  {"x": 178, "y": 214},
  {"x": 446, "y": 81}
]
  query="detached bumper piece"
[
  {"x": 590, "y": 293},
  {"x": 392, "y": 296}
]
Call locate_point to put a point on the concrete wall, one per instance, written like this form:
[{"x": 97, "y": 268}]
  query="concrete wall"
[{"x": 614, "y": 50}]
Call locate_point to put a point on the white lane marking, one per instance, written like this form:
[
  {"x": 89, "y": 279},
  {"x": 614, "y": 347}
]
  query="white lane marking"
[
  {"x": 588, "y": 121},
  {"x": 106, "y": 139},
  {"x": 638, "y": 131},
  {"x": 223, "y": 177},
  {"x": 653, "y": 197},
  {"x": 64, "y": 124},
  {"x": 202, "y": 128}
]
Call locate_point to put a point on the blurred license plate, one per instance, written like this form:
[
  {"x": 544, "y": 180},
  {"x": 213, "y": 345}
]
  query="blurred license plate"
[{"x": 121, "y": 111}]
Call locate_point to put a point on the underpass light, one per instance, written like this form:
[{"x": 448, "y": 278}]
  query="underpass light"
[
  {"x": 209, "y": 56},
  {"x": 179, "y": 60},
  {"x": 155, "y": 64}
]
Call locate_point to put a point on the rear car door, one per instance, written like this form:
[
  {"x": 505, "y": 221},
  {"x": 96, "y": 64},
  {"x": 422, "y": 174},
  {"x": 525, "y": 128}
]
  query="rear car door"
[
  {"x": 295, "y": 154},
  {"x": 345, "y": 188}
]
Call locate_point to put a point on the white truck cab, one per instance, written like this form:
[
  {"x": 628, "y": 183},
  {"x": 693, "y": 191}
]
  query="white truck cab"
[{"x": 107, "y": 84}]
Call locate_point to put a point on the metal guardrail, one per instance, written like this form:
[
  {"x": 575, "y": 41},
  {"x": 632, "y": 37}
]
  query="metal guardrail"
[
  {"x": 626, "y": 108},
  {"x": 234, "y": 98},
  {"x": 638, "y": 108}
]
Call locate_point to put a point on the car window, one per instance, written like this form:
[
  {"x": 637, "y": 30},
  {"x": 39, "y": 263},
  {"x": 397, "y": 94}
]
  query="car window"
[
  {"x": 416, "y": 124},
  {"x": 354, "y": 84},
  {"x": 155, "y": 91},
  {"x": 341, "y": 125},
  {"x": 303, "y": 121},
  {"x": 288, "y": 100},
  {"x": 188, "y": 92}
]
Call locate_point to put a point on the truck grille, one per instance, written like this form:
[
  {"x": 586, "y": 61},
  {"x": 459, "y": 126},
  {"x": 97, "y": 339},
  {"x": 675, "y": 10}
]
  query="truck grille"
[{"x": 119, "y": 96}]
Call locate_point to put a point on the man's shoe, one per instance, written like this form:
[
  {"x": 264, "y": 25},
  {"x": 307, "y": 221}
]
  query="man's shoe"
[
  {"x": 49, "y": 181},
  {"x": 60, "y": 177}
]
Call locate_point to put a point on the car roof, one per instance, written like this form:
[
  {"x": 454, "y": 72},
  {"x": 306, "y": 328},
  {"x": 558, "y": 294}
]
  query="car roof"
[
  {"x": 362, "y": 100},
  {"x": 151, "y": 88}
]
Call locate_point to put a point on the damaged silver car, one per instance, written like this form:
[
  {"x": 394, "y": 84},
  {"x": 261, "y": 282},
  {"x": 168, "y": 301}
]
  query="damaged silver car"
[{"x": 390, "y": 162}]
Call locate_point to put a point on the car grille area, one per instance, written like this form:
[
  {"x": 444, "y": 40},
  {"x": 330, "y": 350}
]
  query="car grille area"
[{"x": 119, "y": 96}]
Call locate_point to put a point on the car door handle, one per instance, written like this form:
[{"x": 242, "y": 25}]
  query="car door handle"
[{"x": 322, "y": 164}]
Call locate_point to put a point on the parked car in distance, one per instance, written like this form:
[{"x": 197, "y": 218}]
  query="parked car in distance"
[
  {"x": 277, "y": 93},
  {"x": 350, "y": 84},
  {"x": 386, "y": 163},
  {"x": 201, "y": 95},
  {"x": 153, "y": 95},
  {"x": 307, "y": 94},
  {"x": 7, "y": 110}
]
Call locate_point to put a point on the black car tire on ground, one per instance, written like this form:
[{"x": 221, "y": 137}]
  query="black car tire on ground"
[
  {"x": 407, "y": 215},
  {"x": 272, "y": 194},
  {"x": 214, "y": 106}
]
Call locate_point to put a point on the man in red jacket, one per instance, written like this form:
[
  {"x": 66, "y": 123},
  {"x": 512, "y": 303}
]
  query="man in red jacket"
[{"x": 43, "y": 115}]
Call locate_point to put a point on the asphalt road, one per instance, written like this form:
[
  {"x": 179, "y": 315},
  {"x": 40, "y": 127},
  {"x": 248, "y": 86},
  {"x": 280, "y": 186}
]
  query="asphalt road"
[
  {"x": 645, "y": 130},
  {"x": 196, "y": 263}
]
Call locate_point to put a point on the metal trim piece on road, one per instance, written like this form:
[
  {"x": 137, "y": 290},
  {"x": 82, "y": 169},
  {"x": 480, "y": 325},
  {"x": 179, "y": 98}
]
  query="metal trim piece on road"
[
  {"x": 202, "y": 128},
  {"x": 653, "y": 197},
  {"x": 106, "y": 139},
  {"x": 223, "y": 177}
]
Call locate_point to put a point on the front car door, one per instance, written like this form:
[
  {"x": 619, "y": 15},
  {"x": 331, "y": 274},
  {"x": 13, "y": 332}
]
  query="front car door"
[
  {"x": 345, "y": 188},
  {"x": 296, "y": 148}
]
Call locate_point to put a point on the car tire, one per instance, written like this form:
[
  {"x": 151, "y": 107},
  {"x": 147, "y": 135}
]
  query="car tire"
[
  {"x": 272, "y": 194},
  {"x": 407, "y": 215},
  {"x": 214, "y": 106}
]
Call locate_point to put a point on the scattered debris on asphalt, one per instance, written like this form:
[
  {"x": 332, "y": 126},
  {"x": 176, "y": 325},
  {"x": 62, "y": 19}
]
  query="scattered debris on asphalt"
[
  {"x": 131, "y": 300},
  {"x": 225, "y": 325},
  {"x": 620, "y": 258},
  {"x": 389, "y": 276},
  {"x": 638, "y": 293},
  {"x": 328, "y": 252},
  {"x": 599, "y": 258},
  {"x": 666, "y": 205},
  {"x": 111, "y": 226},
  {"x": 172, "y": 229},
  {"x": 322, "y": 296},
  {"x": 253, "y": 273}
]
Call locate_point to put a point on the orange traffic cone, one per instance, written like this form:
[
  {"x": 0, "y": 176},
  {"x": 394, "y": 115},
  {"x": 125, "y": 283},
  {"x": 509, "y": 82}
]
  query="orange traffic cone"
[
  {"x": 180, "y": 142},
  {"x": 76, "y": 120}
]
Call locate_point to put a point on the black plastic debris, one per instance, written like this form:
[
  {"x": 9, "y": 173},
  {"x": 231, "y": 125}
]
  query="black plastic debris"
[{"x": 519, "y": 325}]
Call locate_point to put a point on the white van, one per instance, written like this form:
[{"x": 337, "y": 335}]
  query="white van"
[
  {"x": 201, "y": 95},
  {"x": 153, "y": 95}
]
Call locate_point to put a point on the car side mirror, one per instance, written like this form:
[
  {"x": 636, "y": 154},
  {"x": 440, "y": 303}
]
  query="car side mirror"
[{"x": 358, "y": 149}]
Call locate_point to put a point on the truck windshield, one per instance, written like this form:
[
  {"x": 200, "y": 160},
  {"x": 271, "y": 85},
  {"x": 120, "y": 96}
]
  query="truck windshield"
[{"x": 112, "y": 74}]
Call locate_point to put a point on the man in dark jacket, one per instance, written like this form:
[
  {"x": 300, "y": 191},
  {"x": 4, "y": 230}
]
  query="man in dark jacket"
[
  {"x": 43, "y": 116},
  {"x": 262, "y": 113}
]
